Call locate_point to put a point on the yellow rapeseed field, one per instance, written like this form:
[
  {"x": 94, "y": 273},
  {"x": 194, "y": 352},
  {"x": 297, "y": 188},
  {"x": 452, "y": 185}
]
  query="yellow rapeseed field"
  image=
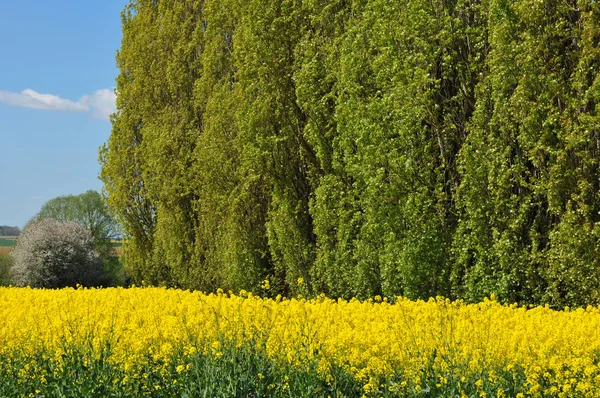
[{"x": 557, "y": 351}]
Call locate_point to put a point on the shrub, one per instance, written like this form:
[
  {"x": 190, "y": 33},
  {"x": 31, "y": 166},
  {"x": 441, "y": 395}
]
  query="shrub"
[
  {"x": 6, "y": 263},
  {"x": 53, "y": 254}
]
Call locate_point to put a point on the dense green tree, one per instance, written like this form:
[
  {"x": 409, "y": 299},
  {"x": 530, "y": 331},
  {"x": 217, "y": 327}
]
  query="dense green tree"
[
  {"x": 87, "y": 209},
  {"x": 530, "y": 188},
  {"x": 367, "y": 147},
  {"x": 145, "y": 156},
  {"x": 385, "y": 214},
  {"x": 271, "y": 124}
]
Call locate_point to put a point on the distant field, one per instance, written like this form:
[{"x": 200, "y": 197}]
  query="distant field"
[
  {"x": 7, "y": 241},
  {"x": 6, "y": 244}
]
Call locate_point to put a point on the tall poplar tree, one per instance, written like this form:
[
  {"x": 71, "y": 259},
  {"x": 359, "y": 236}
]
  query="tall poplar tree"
[
  {"x": 529, "y": 195},
  {"x": 365, "y": 146}
]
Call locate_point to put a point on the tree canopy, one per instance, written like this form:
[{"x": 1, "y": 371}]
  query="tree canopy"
[
  {"x": 6, "y": 230},
  {"x": 368, "y": 147},
  {"x": 87, "y": 209}
]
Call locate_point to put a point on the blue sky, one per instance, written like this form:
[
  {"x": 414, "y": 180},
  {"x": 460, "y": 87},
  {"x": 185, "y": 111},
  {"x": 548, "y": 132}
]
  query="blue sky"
[{"x": 57, "y": 75}]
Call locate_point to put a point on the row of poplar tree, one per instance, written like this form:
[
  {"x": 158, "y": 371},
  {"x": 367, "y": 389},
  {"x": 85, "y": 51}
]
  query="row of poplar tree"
[{"x": 415, "y": 147}]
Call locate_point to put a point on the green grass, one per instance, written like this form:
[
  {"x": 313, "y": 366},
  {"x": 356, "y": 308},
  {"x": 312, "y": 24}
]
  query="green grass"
[{"x": 4, "y": 242}]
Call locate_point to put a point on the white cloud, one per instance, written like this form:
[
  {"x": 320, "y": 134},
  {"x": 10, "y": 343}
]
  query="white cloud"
[
  {"x": 30, "y": 99},
  {"x": 100, "y": 104}
]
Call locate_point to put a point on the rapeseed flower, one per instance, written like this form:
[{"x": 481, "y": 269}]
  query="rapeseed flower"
[{"x": 396, "y": 347}]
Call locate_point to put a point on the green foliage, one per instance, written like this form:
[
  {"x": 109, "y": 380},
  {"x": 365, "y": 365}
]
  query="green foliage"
[
  {"x": 87, "y": 209},
  {"x": 6, "y": 263},
  {"x": 368, "y": 147},
  {"x": 529, "y": 194},
  {"x": 385, "y": 215}
]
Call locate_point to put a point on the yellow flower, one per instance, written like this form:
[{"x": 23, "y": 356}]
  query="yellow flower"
[{"x": 366, "y": 340}]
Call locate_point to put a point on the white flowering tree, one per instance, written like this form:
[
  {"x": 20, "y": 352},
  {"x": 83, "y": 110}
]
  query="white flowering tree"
[{"x": 54, "y": 254}]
